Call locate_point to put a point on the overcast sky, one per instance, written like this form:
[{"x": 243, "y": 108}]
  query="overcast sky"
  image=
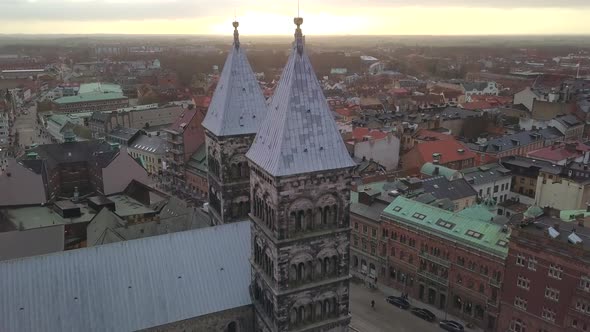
[{"x": 274, "y": 16}]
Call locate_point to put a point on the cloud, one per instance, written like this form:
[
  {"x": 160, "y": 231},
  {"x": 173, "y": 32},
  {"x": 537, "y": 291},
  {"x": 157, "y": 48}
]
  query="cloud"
[{"x": 114, "y": 10}]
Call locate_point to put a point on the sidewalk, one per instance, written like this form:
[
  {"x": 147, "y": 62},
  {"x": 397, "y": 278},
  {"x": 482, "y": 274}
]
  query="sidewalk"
[{"x": 417, "y": 303}]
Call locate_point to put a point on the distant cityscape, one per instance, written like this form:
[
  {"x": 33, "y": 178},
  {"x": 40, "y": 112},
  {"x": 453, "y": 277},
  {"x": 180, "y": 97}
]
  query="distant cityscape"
[{"x": 158, "y": 185}]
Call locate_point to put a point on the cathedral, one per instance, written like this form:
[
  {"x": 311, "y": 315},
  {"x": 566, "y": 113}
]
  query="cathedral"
[
  {"x": 277, "y": 258},
  {"x": 284, "y": 165}
]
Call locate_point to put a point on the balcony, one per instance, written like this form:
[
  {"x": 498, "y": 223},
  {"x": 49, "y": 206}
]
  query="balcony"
[
  {"x": 433, "y": 277},
  {"x": 494, "y": 282},
  {"x": 437, "y": 260}
]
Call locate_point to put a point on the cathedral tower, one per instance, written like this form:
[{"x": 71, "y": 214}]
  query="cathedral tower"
[
  {"x": 300, "y": 185},
  {"x": 237, "y": 108}
]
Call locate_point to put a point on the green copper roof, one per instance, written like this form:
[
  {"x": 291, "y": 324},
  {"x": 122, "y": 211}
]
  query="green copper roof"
[
  {"x": 533, "y": 211},
  {"x": 429, "y": 169},
  {"x": 60, "y": 119},
  {"x": 90, "y": 96},
  {"x": 469, "y": 231},
  {"x": 570, "y": 215},
  {"x": 479, "y": 212},
  {"x": 198, "y": 160}
]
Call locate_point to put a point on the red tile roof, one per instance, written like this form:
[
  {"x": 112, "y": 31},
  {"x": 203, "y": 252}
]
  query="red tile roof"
[
  {"x": 429, "y": 135},
  {"x": 477, "y": 105},
  {"x": 345, "y": 112},
  {"x": 359, "y": 133},
  {"x": 560, "y": 152},
  {"x": 448, "y": 149}
]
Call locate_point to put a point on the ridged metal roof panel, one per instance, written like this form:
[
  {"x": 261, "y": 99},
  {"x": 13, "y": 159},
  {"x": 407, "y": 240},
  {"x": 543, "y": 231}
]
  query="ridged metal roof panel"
[
  {"x": 128, "y": 286},
  {"x": 299, "y": 134},
  {"x": 238, "y": 106}
]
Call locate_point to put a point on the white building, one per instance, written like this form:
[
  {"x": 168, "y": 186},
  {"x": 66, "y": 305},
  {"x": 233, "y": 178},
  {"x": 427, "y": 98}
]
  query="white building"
[
  {"x": 479, "y": 89},
  {"x": 385, "y": 151},
  {"x": 490, "y": 181},
  {"x": 528, "y": 96}
]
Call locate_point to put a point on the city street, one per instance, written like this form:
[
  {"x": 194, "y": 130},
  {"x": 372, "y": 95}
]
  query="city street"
[
  {"x": 385, "y": 317},
  {"x": 28, "y": 129}
]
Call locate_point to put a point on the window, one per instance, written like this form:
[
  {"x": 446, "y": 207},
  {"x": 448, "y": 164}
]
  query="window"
[
  {"x": 585, "y": 283},
  {"x": 583, "y": 306},
  {"x": 356, "y": 226},
  {"x": 555, "y": 271},
  {"x": 520, "y": 260},
  {"x": 365, "y": 229},
  {"x": 474, "y": 234},
  {"x": 552, "y": 294},
  {"x": 523, "y": 282},
  {"x": 445, "y": 224},
  {"x": 495, "y": 188},
  {"x": 356, "y": 241},
  {"x": 522, "y": 180},
  {"x": 532, "y": 182},
  {"x": 419, "y": 216},
  {"x": 533, "y": 264},
  {"x": 520, "y": 303},
  {"x": 481, "y": 193},
  {"x": 374, "y": 232},
  {"x": 548, "y": 314},
  {"x": 517, "y": 325}
]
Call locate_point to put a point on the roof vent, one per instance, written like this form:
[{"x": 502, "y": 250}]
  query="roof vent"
[
  {"x": 461, "y": 151},
  {"x": 553, "y": 233},
  {"x": 573, "y": 238}
]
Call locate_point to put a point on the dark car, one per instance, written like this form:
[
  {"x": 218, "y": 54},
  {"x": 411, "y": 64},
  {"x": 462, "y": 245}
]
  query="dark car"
[
  {"x": 451, "y": 325},
  {"x": 424, "y": 314},
  {"x": 398, "y": 302}
]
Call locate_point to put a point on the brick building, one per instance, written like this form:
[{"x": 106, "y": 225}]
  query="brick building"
[
  {"x": 183, "y": 137},
  {"x": 547, "y": 279},
  {"x": 454, "y": 261}
]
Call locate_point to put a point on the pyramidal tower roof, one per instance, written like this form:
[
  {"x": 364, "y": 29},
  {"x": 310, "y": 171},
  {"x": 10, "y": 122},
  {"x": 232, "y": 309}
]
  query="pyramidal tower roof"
[
  {"x": 299, "y": 134},
  {"x": 237, "y": 106}
]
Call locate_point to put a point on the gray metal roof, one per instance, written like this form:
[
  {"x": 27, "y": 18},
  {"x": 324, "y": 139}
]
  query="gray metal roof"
[
  {"x": 299, "y": 135},
  {"x": 485, "y": 174},
  {"x": 128, "y": 286},
  {"x": 237, "y": 106}
]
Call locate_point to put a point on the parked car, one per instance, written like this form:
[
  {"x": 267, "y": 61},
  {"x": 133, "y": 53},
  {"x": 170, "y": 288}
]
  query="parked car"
[
  {"x": 451, "y": 325},
  {"x": 398, "y": 302},
  {"x": 424, "y": 314}
]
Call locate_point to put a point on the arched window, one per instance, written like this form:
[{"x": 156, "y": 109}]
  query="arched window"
[
  {"x": 327, "y": 308},
  {"x": 235, "y": 170},
  {"x": 318, "y": 216},
  {"x": 309, "y": 219},
  {"x": 293, "y": 273},
  {"x": 293, "y": 315},
  {"x": 244, "y": 170},
  {"x": 327, "y": 269},
  {"x": 309, "y": 312},
  {"x": 300, "y": 223},
  {"x": 301, "y": 272},
  {"x": 334, "y": 265},
  {"x": 334, "y": 214},
  {"x": 325, "y": 211},
  {"x": 301, "y": 314},
  {"x": 318, "y": 310},
  {"x": 232, "y": 327}
]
